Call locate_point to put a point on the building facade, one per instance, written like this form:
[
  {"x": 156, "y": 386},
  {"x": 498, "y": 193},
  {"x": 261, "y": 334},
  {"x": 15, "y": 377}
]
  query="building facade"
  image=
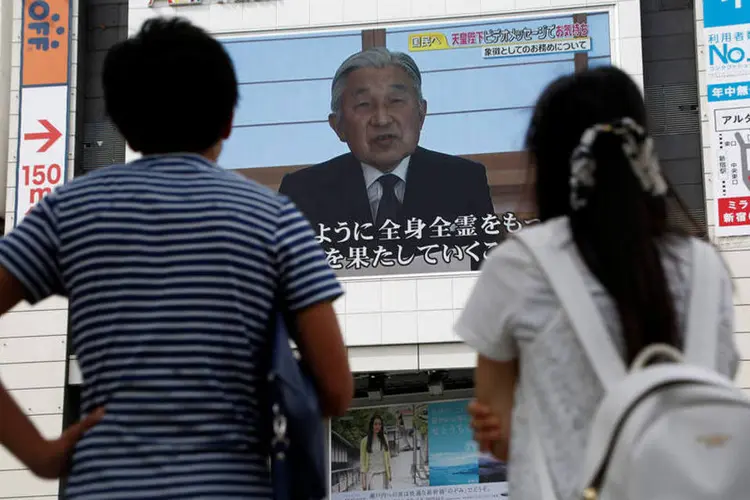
[{"x": 412, "y": 371}]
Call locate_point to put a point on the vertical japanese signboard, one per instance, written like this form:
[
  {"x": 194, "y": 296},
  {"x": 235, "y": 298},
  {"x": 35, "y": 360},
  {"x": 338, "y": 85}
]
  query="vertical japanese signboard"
[
  {"x": 44, "y": 100},
  {"x": 727, "y": 29}
]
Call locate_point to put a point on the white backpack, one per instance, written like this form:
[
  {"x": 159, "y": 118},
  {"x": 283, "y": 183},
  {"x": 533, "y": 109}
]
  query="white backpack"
[{"x": 669, "y": 431}]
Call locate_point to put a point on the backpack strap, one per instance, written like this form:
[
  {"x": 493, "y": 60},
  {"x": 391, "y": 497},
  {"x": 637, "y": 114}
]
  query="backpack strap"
[
  {"x": 569, "y": 287},
  {"x": 701, "y": 341}
]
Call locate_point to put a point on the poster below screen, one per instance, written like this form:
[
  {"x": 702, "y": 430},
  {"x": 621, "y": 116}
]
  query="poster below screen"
[
  {"x": 395, "y": 180},
  {"x": 421, "y": 451}
]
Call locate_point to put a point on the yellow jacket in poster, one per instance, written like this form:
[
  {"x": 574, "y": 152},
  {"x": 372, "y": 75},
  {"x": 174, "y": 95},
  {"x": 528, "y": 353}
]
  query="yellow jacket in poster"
[{"x": 364, "y": 459}]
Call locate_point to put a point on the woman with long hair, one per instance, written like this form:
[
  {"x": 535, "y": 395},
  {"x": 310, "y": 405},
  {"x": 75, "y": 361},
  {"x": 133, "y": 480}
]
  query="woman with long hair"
[
  {"x": 375, "y": 457},
  {"x": 602, "y": 198}
]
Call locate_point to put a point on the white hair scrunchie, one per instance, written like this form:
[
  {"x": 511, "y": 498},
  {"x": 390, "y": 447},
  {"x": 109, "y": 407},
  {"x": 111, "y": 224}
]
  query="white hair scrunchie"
[{"x": 637, "y": 147}]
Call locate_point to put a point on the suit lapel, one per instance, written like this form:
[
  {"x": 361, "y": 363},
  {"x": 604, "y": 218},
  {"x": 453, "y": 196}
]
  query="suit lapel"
[
  {"x": 353, "y": 193},
  {"x": 418, "y": 184}
]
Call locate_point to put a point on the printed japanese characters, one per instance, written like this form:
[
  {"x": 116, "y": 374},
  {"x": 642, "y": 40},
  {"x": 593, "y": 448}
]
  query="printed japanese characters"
[
  {"x": 728, "y": 85},
  {"x": 509, "y": 42},
  {"x": 358, "y": 246}
]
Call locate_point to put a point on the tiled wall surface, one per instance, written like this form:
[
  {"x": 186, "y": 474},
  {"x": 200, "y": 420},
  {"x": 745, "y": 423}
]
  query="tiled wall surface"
[
  {"x": 736, "y": 251},
  {"x": 6, "y": 47},
  {"x": 33, "y": 341},
  {"x": 399, "y": 323},
  {"x": 32, "y": 367}
]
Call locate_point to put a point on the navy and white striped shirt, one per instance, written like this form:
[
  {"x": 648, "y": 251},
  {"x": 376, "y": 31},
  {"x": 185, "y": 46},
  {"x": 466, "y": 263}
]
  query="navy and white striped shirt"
[{"x": 170, "y": 265}]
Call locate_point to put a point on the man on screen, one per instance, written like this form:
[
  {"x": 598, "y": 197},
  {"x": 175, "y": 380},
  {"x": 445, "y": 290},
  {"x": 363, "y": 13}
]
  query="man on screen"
[{"x": 386, "y": 179}]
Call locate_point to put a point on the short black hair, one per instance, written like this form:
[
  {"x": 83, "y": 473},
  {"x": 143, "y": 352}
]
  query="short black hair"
[{"x": 171, "y": 88}]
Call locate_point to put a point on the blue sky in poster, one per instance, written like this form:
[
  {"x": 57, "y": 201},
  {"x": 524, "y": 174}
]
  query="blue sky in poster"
[
  {"x": 453, "y": 453},
  {"x": 475, "y": 105}
]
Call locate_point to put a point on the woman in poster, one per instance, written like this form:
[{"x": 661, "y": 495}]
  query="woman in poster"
[{"x": 375, "y": 457}]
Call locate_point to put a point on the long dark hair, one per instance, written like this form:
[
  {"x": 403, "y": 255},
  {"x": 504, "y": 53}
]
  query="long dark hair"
[
  {"x": 618, "y": 231},
  {"x": 381, "y": 434}
]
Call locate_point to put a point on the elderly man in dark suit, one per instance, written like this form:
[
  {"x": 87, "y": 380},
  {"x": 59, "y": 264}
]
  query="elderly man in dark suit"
[{"x": 387, "y": 187}]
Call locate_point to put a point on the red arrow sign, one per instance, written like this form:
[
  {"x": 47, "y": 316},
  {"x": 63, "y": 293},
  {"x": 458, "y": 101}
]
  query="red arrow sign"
[{"x": 51, "y": 136}]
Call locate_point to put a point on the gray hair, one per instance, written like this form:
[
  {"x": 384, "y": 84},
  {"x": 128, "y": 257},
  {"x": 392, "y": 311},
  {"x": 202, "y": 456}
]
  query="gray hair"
[{"x": 375, "y": 57}]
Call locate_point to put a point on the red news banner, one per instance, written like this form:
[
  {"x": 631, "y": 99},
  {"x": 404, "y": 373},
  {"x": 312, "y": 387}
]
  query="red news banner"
[{"x": 45, "y": 94}]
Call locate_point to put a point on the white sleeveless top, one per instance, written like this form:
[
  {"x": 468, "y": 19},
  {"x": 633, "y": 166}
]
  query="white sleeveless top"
[{"x": 513, "y": 313}]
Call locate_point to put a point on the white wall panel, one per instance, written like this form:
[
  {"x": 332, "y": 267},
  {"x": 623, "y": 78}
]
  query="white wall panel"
[
  {"x": 33, "y": 375},
  {"x": 743, "y": 344},
  {"x": 363, "y": 296},
  {"x": 20, "y": 484},
  {"x": 41, "y": 322},
  {"x": 742, "y": 318},
  {"x": 461, "y": 289},
  {"x": 32, "y": 349},
  {"x": 428, "y": 8},
  {"x": 399, "y": 296},
  {"x": 435, "y": 294},
  {"x": 384, "y": 358},
  {"x": 8, "y": 463},
  {"x": 743, "y": 375},
  {"x": 363, "y": 329},
  {"x": 435, "y": 326},
  {"x": 47, "y": 497},
  {"x": 402, "y": 310},
  {"x": 400, "y": 327},
  {"x": 446, "y": 356},
  {"x": 39, "y": 401}
]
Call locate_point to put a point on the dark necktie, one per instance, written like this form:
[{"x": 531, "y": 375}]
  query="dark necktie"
[{"x": 389, "y": 206}]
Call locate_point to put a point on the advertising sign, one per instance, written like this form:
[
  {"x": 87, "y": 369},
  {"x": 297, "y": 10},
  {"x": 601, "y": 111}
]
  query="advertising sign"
[
  {"x": 43, "y": 124},
  {"x": 727, "y": 28},
  {"x": 392, "y": 184},
  {"x": 423, "y": 450}
]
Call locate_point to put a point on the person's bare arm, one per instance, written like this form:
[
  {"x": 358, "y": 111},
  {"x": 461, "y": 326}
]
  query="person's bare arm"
[
  {"x": 495, "y": 383},
  {"x": 17, "y": 433},
  {"x": 44, "y": 458},
  {"x": 322, "y": 347},
  {"x": 11, "y": 291}
]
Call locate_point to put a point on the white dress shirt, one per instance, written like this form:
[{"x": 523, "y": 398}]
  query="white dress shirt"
[
  {"x": 374, "y": 194},
  {"x": 375, "y": 189}
]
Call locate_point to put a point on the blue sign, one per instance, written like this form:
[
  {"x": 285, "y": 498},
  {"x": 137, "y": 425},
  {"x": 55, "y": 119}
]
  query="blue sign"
[
  {"x": 726, "y": 54},
  {"x": 729, "y": 91},
  {"x": 452, "y": 451},
  {"x": 717, "y": 13}
]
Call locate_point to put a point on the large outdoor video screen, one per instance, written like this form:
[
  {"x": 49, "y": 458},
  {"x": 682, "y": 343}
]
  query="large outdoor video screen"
[{"x": 463, "y": 183}]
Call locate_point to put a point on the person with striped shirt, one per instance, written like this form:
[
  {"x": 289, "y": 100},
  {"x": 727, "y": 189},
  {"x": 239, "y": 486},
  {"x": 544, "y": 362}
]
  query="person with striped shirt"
[{"x": 173, "y": 269}]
